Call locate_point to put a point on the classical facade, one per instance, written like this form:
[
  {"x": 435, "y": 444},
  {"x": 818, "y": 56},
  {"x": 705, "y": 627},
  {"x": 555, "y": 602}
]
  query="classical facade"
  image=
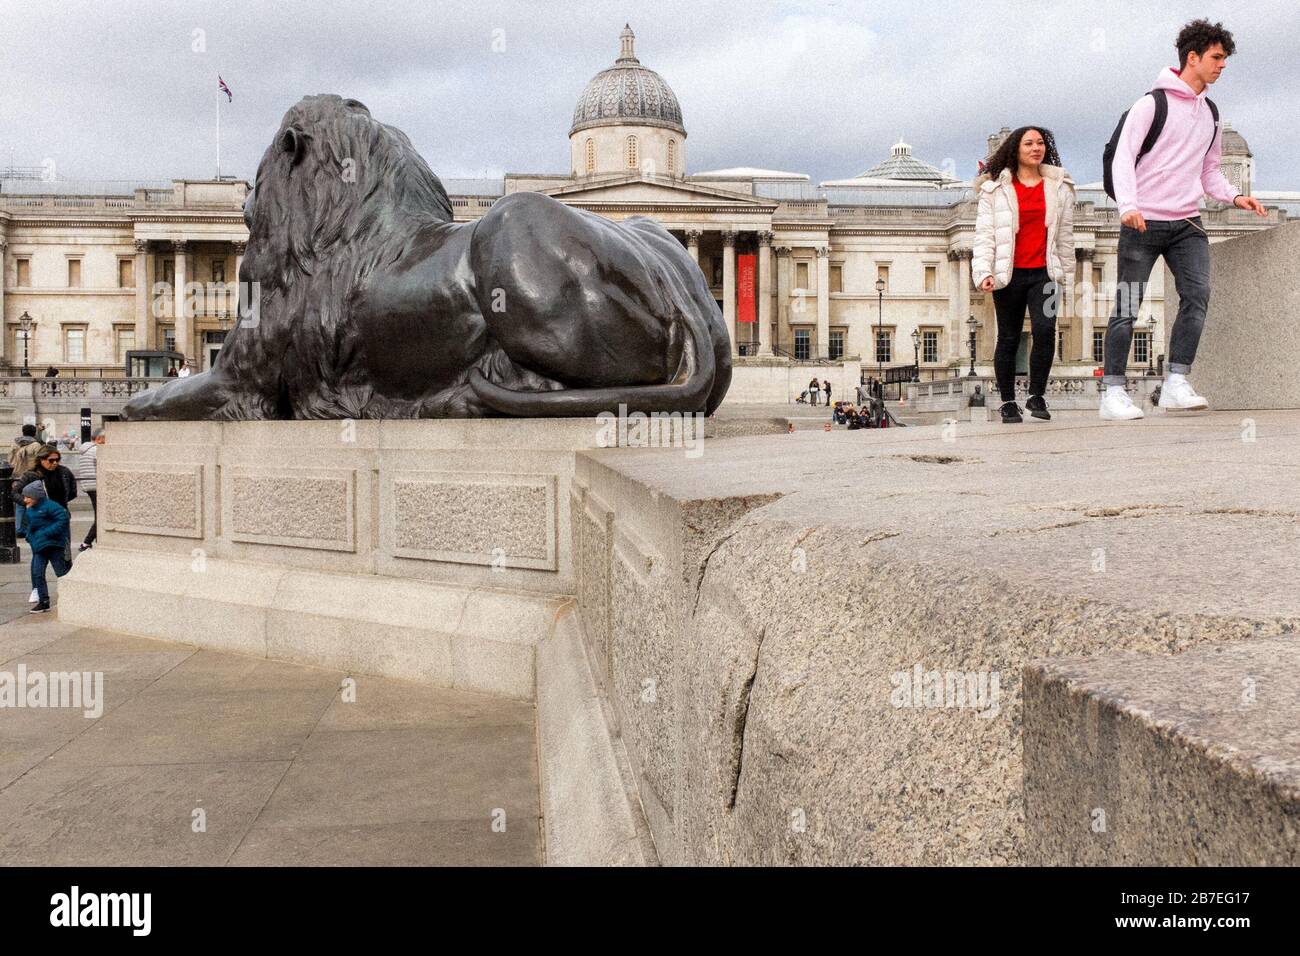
[
  {"x": 100, "y": 270},
  {"x": 103, "y": 269}
]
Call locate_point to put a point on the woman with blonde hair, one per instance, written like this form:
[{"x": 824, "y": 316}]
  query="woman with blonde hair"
[{"x": 1024, "y": 252}]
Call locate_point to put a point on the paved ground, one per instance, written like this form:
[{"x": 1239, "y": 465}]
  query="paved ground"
[{"x": 201, "y": 758}]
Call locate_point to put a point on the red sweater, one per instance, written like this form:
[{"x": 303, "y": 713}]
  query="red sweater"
[{"x": 1031, "y": 240}]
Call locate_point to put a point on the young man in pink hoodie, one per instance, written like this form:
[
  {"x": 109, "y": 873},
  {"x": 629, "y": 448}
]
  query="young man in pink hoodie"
[{"x": 1159, "y": 204}]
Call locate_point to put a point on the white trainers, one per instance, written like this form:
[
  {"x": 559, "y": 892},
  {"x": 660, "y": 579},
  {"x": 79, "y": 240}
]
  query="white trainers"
[
  {"x": 1180, "y": 396},
  {"x": 34, "y": 597},
  {"x": 1116, "y": 406}
]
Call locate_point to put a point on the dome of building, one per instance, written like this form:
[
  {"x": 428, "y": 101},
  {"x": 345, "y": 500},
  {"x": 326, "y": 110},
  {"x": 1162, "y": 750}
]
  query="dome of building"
[
  {"x": 627, "y": 94},
  {"x": 901, "y": 164},
  {"x": 1233, "y": 143}
]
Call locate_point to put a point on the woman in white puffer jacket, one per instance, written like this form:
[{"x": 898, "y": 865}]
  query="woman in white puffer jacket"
[{"x": 1024, "y": 254}]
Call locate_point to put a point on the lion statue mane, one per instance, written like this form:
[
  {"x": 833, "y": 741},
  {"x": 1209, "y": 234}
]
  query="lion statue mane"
[{"x": 360, "y": 297}]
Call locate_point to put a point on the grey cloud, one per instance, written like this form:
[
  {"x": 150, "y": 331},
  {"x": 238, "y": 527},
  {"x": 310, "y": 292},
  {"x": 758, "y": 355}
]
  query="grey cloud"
[{"x": 115, "y": 90}]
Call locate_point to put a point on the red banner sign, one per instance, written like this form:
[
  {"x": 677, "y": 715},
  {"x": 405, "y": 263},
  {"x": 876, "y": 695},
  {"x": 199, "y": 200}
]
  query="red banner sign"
[{"x": 746, "y": 297}]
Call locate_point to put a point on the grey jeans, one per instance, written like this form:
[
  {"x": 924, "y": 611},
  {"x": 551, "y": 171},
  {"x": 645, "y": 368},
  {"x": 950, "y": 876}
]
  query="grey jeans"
[{"x": 1186, "y": 250}]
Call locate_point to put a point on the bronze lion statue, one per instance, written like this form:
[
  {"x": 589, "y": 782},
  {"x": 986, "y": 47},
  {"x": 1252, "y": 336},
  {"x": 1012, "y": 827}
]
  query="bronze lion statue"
[{"x": 361, "y": 298}]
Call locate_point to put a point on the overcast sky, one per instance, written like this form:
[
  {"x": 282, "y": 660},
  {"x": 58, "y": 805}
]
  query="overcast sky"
[{"x": 128, "y": 89}]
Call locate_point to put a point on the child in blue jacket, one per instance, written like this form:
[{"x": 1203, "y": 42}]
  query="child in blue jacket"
[{"x": 47, "y": 535}]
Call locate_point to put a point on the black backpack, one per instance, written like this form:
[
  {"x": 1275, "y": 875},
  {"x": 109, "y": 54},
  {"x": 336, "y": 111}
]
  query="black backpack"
[{"x": 1157, "y": 124}]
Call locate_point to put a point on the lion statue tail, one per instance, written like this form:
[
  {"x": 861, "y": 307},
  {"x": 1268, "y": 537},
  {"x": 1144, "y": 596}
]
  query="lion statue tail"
[{"x": 687, "y": 393}]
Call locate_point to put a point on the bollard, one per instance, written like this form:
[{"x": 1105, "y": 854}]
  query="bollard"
[{"x": 9, "y": 552}]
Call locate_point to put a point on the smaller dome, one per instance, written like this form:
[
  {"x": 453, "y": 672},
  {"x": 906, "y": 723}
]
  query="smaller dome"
[
  {"x": 627, "y": 94},
  {"x": 901, "y": 164},
  {"x": 1234, "y": 144}
]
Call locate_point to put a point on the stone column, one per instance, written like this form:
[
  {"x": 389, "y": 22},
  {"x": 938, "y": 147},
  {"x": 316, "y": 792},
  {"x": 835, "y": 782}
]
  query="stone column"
[
  {"x": 4, "y": 271},
  {"x": 955, "y": 318},
  {"x": 1084, "y": 312},
  {"x": 143, "y": 303},
  {"x": 783, "y": 297},
  {"x": 729, "y": 284},
  {"x": 184, "y": 321},
  {"x": 765, "y": 293},
  {"x": 823, "y": 301},
  {"x": 693, "y": 244},
  {"x": 962, "y": 257},
  {"x": 240, "y": 248}
]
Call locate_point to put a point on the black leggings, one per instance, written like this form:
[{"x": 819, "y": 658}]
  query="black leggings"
[{"x": 1033, "y": 289}]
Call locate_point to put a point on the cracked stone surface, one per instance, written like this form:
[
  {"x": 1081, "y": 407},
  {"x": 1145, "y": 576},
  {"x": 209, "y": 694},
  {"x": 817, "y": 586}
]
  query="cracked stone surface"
[{"x": 863, "y": 554}]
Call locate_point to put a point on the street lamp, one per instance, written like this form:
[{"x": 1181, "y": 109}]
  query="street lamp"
[
  {"x": 880, "y": 319},
  {"x": 1151, "y": 343},
  {"x": 972, "y": 325},
  {"x": 916, "y": 352},
  {"x": 25, "y": 323}
]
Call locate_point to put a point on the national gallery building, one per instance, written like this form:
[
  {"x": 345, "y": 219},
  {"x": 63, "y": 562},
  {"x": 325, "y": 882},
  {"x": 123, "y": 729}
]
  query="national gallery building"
[{"x": 873, "y": 268}]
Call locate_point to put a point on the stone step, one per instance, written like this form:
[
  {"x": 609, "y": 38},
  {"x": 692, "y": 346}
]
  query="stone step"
[
  {"x": 472, "y": 638},
  {"x": 1150, "y": 760}
]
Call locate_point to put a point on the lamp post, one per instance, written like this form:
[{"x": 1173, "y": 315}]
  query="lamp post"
[
  {"x": 25, "y": 323},
  {"x": 880, "y": 319},
  {"x": 916, "y": 352},
  {"x": 1151, "y": 344},
  {"x": 972, "y": 325}
]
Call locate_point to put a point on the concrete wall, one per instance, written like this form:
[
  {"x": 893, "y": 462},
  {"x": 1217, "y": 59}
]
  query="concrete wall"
[
  {"x": 774, "y": 382},
  {"x": 1247, "y": 355}
]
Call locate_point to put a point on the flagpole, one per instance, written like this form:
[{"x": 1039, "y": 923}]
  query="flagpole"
[{"x": 218, "y": 133}]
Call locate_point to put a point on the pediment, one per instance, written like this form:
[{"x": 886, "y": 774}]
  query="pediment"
[{"x": 642, "y": 189}]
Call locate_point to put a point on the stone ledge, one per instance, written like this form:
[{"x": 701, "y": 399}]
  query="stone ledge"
[
  {"x": 1139, "y": 760},
  {"x": 804, "y": 574},
  {"x": 470, "y": 638}
]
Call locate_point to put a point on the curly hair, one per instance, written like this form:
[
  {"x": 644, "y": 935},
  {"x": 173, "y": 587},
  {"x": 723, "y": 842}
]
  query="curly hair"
[
  {"x": 1198, "y": 36},
  {"x": 1007, "y": 156}
]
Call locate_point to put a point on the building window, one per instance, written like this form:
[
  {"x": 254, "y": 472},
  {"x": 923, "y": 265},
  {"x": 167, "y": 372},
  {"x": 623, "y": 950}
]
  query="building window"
[
  {"x": 218, "y": 270},
  {"x": 672, "y": 157},
  {"x": 123, "y": 342},
  {"x": 125, "y": 273},
  {"x": 929, "y": 346},
  {"x": 74, "y": 345},
  {"x": 591, "y": 155},
  {"x": 1141, "y": 348},
  {"x": 1060, "y": 345},
  {"x": 633, "y": 153},
  {"x": 717, "y": 271},
  {"x": 1099, "y": 345},
  {"x": 169, "y": 272},
  {"x": 882, "y": 272},
  {"x": 836, "y": 344},
  {"x": 169, "y": 339},
  {"x": 801, "y": 349},
  {"x": 24, "y": 272},
  {"x": 932, "y": 279},
  {"x": 74, "y": 274},
  {"x": 801, "y": 275},
  {"x": 1096, "y": 280},
  {"x": 884, "y": 345},
  {"x": 837, "y": 279}
]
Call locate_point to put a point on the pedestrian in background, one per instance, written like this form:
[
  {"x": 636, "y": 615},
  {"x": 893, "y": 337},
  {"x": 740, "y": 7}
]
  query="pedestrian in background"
[
  {"x": 22, "y": 458},
  {"x": 47, "y": 524},
  {"x": 87, "y": 467}
]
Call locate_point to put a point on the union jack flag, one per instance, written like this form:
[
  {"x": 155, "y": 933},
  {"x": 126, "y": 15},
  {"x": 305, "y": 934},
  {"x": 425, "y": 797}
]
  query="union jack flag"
[{"x": 221, "y": 85}]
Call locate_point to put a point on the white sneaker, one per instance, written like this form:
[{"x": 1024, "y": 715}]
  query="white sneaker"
[
  {"x": 34, "y": 597},
  {"x": 1118, "y": 407},
  {"x": 1181, "y": 396}
]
